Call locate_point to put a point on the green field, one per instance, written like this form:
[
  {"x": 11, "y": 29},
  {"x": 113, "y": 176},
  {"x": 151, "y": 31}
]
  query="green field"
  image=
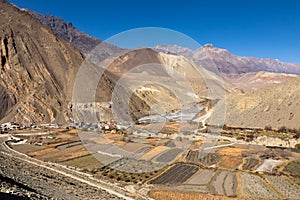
[{"x": 85, "y": 162}]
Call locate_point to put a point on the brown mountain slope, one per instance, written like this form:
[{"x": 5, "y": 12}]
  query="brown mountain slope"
[
  {"x": 143, "y": 78},
  {"x": 256, "y": 80},
  {"x": 276, "y": 106},
  {"x": 37, "y": 69}
]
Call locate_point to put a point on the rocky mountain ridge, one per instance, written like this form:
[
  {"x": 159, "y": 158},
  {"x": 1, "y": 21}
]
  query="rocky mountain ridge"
[
  {"x": 66, "y": 31},
  {"x": 228, "y": 63}
]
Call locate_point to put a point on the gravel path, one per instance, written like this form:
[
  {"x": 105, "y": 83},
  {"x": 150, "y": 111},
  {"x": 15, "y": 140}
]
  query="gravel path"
[{"x": 50, "y": 180}]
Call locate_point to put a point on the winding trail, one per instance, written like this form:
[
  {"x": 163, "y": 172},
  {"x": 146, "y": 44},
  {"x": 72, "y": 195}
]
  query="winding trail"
[{"x": 62, "y": 170}]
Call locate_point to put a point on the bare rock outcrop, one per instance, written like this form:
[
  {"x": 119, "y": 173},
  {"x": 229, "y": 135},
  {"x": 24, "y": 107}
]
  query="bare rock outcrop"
[{"x": 37, "y": 69}]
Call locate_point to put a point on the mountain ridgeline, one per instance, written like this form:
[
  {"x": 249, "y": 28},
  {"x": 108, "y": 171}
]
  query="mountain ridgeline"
[
  {"x": 81, "y": 41},
  {"x": 228, "y": 63}
]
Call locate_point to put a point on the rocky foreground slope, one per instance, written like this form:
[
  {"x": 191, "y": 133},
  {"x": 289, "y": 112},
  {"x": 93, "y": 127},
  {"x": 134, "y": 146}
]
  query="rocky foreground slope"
[{"x": 25, "y": 178}]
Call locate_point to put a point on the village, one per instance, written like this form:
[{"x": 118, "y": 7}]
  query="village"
[{"x": 111, "y": 127}]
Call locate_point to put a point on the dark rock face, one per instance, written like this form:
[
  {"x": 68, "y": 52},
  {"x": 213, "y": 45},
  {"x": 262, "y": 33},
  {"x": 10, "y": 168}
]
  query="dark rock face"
[
  {"x": 37, "y": 70},
  {"x": 6, "y": 102},
  {"x": 66, "y": 31}
]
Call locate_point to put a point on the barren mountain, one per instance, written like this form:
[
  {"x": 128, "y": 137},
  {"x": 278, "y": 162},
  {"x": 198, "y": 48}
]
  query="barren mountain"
[
  {"x": 231, "y": 64},
  {"x": 143, "y": 80},
  {"x": 66, "y": 31},
  {"x": 37, "y": 69},
  {"x": 276, "y": 106},
  {"x": 272, "y": 86},
  {"x": 38, "y": 72},
  {"x": 256, "y": 80}
]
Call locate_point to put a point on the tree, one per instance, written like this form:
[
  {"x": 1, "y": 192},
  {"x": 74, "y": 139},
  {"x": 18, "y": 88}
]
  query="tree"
[
  {"x": 282, "y": 129},
  {"x": 268, "y": 128}
]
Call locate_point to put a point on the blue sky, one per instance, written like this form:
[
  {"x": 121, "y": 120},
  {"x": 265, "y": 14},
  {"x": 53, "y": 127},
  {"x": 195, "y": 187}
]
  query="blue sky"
[{"x": 266, "y": 29}]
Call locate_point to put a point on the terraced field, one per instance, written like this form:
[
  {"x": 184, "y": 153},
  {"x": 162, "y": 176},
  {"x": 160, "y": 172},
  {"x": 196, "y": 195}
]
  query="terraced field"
[
  {"x": 230, "y": 185},
  {"x": 296, "y": 180},
  {"x": 205, "y": 159},
  {"x": 105, "y": 158},
  {"x": 124, "y": 176},
  {"x": 192, "y": 157},
  {"x": 85, "y": 162},
  {"x": 250, "y": 163},
  {"x": 210, "y": 159},
  {"x": 135, "y": 166},
  {"x": 202, "y": 178},
  {"x": 37, "y": 182},
  {"x": 285, "y": 186},
  {"x": 153, "y": 152},
  {"x": 269, "y": 165},
  {"x": 215, "y": 175},
  {"x": 216, "y": 184},
  {"x": 254, "y": 187},
  {"x": 169, "y": 156},
  {"x": 229, "y": 162},
  {"x": 178, "y": 195},
  {"x": 177, "y": 174},
  {"x": 292, "y": 168}
]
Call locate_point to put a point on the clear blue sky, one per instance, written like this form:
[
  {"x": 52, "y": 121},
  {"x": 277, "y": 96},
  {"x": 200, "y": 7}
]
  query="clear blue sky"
[{"x": 265, "y": 28}]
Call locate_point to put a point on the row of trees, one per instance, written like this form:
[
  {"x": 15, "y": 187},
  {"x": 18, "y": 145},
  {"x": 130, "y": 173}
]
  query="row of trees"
[{"x": 284, "y": 129}]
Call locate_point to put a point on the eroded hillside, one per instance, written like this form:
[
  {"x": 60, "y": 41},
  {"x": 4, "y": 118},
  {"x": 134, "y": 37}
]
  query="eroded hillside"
[
  {"x": 37, "y": 69},
  {"x": 275, "y": 106}
]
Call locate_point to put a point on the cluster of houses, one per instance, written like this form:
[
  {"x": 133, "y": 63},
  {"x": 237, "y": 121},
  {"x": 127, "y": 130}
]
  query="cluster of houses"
[
  {"x": 11, "y": 126},
  {"x": 111, "y": 126}
]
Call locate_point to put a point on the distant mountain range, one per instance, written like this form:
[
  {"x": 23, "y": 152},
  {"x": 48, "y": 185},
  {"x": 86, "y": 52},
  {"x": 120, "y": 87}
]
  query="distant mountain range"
[
  {"x": 225, "y": 62},
  {"x": 228, "y": 63}
]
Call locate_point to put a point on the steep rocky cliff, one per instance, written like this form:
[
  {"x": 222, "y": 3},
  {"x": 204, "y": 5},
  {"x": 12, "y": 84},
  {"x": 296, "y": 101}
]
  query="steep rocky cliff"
[
  {"x": 36, "y": 69},
  {"x": 66, "y": 31}
]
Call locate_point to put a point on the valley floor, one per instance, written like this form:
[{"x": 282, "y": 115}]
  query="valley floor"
[{"x": 90, "y": 165}]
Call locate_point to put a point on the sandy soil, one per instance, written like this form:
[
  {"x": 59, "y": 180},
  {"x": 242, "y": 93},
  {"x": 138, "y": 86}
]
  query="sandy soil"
[
  {"x": 229, "y": 151},
  {"x": 201, "y": 178},
  {"x": 229, "y": 162},
  {"x": 176, "y": 195},
  {"x": 154, "y": 152}
]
